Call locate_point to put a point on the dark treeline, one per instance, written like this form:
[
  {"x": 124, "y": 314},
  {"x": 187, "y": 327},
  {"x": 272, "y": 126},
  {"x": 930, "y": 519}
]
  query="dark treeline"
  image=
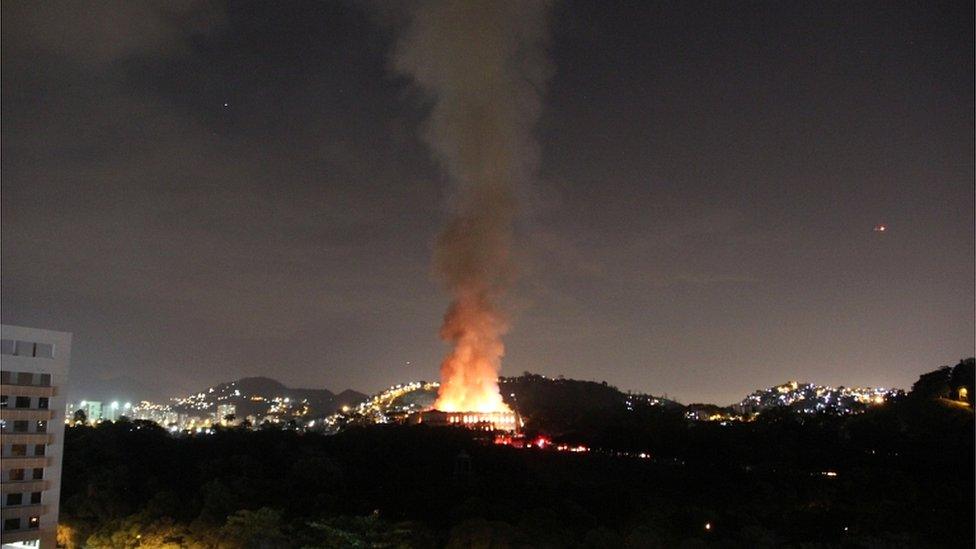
[{"x": 904, "y": 478}]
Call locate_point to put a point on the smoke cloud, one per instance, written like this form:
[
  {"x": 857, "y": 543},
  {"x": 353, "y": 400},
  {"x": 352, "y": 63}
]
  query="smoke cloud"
[{"x": 484, "y": 64}]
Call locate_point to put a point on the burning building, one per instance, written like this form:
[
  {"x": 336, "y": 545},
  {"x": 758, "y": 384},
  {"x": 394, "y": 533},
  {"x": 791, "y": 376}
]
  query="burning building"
[
  {"x": 484, "y": 66},
  {"x": 482, "y": 421}
]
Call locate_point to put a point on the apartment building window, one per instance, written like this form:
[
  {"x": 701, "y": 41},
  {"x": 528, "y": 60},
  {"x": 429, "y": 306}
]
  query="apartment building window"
[
  {"x": 18, "y": 450},
  {"x": 11, "y": 524},
  {"x": 16, "y": 474},
  {"x": 24, "y": 348},
  {"x": 39, "y": 449},
  {"x": 34, "y": 522},
  {"x": 38, "y": 473},
  {"x": 25, "y": 378},
  {"x": 45, "y": 380},
  {"x": 41, "y": 426},
  {"x": 3, "y": 401},
  {"x": 15, "y": 499},
  {"x": 7, "y": 348},
  {"x": 42, "y": 403},
  {"x": 35, "y": 498},
  {"x": 20, "y": 426},
  {"x": 22, "y": 402},
  {"x": 44, "y": 350}
]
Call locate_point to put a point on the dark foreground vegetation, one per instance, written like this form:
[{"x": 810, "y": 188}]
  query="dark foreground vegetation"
[{"x": 898, "y": 475}]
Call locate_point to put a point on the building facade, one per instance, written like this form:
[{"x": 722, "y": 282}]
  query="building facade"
[
  {"x": 480, "y": 421},
  {"x": 33, "y": 372}
]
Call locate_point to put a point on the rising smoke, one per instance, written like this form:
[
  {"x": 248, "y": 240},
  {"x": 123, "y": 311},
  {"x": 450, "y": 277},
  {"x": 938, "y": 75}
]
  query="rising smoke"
[{"x": 484, "y": 64}]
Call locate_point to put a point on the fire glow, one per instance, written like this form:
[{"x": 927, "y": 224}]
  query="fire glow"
[
  {"x": 469, "y": 374},
  {"x": 540, "y": 442}
]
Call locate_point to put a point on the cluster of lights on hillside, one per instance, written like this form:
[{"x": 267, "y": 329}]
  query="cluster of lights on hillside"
[
  {"x": 200, "y": 412},
  {"x": 386, "y": 406},
  {"x": 208, "y": 400},
  {"x": 811, "y": 398}
]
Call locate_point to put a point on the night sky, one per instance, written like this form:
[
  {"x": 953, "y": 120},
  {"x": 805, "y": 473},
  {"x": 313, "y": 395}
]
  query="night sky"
[{"x": 201, "y": 192}]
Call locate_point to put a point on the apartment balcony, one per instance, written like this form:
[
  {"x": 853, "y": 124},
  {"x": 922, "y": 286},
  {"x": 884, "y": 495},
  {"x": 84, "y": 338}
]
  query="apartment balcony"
[
  {"x": 14, "y": 389},
  {"x": 23, "y": 512},
  {"x": 26, "y": 438},
  {"x": 28, "y": 462},
  {"x": 24, "y": 486},
  {"x": 29, "y": 414}
]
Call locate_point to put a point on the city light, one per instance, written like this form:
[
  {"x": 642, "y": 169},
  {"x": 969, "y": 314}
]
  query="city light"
[{"x": 810, "y": 398}]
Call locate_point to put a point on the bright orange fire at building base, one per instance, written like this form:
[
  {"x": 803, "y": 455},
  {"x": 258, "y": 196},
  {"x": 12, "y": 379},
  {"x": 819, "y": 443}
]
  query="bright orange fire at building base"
[
  {"x": 469, "y": 374},
  {"x": 479, "y": 421}
]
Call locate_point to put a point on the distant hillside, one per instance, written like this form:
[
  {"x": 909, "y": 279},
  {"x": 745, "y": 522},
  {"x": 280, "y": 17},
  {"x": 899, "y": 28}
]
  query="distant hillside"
[
  {"x": 259, "y": 385},
  {"x": 257, "y": 395},
  {"x": 349, "y": 398},
  {"x": 810, "y": 398},
  {"x": 585, "y": 410}
]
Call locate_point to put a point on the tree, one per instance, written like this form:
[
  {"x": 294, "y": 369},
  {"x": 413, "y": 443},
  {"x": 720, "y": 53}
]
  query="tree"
[
  {"x": 258, "y": 529},
  {"x": 933, "y": 384},
  {"x": 962, "y": 378},
  {"x": 481, "y": 533},
  {"x": 370, "y": 531},
  {"x": 69, "y": 537}
]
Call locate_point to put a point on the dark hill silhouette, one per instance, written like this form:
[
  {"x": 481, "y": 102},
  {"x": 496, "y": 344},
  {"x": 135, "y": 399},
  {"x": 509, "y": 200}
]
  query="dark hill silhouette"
[
  {"x": 946, "y": 382},
  {"x": 349, "y": 398},
  {"x": 260, "y": 385},
  {"x": 587, "y": 411}
]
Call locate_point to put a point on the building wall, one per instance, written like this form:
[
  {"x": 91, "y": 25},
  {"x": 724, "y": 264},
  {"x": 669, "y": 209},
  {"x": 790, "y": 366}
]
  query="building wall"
[
  {"x": 45, "y": 356},
  {"x": 482, "y": 421}
]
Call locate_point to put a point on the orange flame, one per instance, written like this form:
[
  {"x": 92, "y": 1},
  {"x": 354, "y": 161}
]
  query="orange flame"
[{"x": 469, "y": 374}]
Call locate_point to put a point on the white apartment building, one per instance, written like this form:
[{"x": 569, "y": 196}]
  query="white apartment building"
[{"x": 33, "y": 371}]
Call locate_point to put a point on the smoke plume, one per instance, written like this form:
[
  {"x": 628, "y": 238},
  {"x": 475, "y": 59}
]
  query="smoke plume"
[{"x": 484, "y": 64}]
